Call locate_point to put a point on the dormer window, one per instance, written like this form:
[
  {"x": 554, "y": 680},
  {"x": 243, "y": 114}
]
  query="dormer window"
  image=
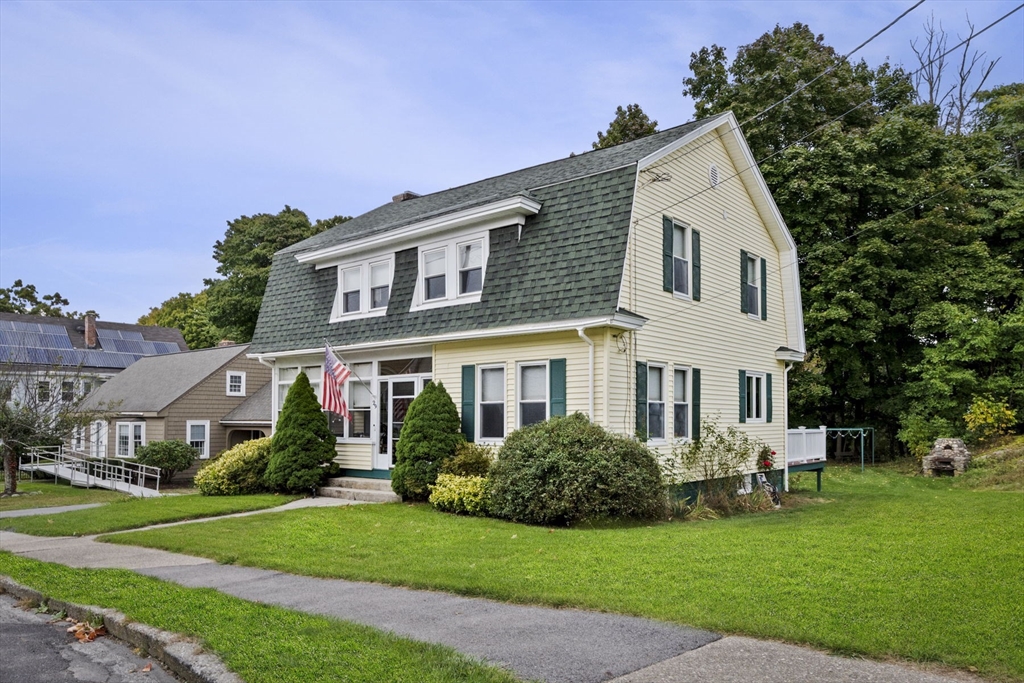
[
  {"x": 452, "y": 271},
  {"x": 364, "y": 288}
]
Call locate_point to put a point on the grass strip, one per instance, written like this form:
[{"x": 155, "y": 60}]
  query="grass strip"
[
  {"x": 261, "y": 643},
  {"x": 43, "y": 495},
  {"x": 881, "y": 565},
  {"x": 132, "y": 513}
]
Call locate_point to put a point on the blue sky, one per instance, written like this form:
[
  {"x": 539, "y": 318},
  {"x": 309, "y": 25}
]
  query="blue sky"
[{"x": 131, "y": 132}]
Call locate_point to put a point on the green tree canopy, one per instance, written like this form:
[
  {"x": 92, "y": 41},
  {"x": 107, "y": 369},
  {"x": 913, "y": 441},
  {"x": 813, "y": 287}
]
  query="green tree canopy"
[
  {"x": 630, "y": 123},
  {"x": 188, "y": 313},
  {"x": 22, "y": 298},
  {"x": 244, "y": 256}
]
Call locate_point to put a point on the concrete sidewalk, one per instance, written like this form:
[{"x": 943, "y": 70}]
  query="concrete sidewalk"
[
  {"x": 29, "y": 512},
  {"x": 556, "y": 645}
]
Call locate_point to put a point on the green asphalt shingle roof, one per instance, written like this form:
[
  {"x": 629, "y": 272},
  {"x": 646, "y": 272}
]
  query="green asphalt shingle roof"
[{"x": 566, "y": 266}]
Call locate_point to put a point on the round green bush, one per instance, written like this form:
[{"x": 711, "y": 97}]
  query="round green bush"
[
  {"x": 471, "y": 460},
  {"x": 237, "y": 471},
  {"x": 461, "y": 495},
  {"x": 568, "y": 470},
  {"x": 170, "y": 456},
  {"x": 430, "y": 435},
  {"x": 302, "y": 443}
]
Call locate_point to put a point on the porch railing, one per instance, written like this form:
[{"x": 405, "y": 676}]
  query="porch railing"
[
  {"x": 805, "y": 445},
  {"x": 108, "y": 473}
]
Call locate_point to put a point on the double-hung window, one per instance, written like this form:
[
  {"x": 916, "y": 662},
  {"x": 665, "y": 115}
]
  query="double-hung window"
[
  {"x": 43, "y": 391},
  {"x": 364, "y": 288},
  {"x": 359, "y": 402},
  {"x": 753, "y": 289},
  {"x": 655, "y": 402},
  {"x": 533, "y": 393},
  {"x": 130, "y": 437},
  {"x": 681, "y": 404},
  {"x": 680, "y": 260},
  {"x": 755, "y": 397},
  {"x": 492, "y": 403},
  {"x": 451, "y": 271},
  {"x": 235, "y": 383},
  {"x": 198, "y": 434},
  {"x": 67, "y": 391}
]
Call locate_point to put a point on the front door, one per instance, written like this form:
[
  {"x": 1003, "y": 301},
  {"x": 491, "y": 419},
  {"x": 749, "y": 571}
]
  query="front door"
[{"x": 396, "y": 394}]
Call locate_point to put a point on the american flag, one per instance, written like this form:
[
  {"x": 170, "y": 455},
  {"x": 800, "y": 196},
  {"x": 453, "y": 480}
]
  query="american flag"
[{"x": 335, "y": 375}]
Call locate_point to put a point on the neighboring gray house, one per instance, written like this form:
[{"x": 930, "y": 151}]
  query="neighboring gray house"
[{"x": 183, "y": 396}]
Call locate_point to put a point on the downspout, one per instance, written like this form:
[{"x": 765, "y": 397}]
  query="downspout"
[
  {"x": 584, "y": 337},
  {"x": 273, "y": 393},
  {"x": 785, "y": 424}
]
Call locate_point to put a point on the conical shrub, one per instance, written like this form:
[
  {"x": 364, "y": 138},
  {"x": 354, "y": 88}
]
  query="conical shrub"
[
  {"x": 302, "y": 443},
  {"x": 430, "y": 434}
]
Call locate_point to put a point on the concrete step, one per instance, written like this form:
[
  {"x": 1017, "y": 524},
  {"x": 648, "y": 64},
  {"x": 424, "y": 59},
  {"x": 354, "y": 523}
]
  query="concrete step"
[
  {"x": 361, "y": 483},
  {"x": 363, "y": 495}
]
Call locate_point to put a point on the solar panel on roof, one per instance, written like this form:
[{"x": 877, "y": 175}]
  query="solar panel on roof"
[
  {"x": 134, "y": 336},
  {"x": 166, "y": 347},
  {"x": 104, "y": 333}
]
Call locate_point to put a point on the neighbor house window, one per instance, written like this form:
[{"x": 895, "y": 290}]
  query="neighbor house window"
[
  {"x": 364, "y": 288},
  {"x": 43, "y": 391},
  {"x": 67, "y": 391},
  {"x": 98, "y": 439},
  {"x": 755, "y": 403},
  {"x": 492, "y": 403},
  {"x": 470, "y": 267},
  {"x": 681, "y": 404},
  {"x": 753, "y": 286},
  {"x": 533, "y": 393},
  {"x": 680, "y": 260},
  {"x": 655, "y": 402},
  {"x": 130, "y": 437},
  {"x": 236, "y": 384},
  {"x": 198, "y": 433}
]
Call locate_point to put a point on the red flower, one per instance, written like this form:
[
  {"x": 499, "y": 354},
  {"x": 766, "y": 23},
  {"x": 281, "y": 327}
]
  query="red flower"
[
  {"x": 767, "y": 463},
  {"x": 773, "y": 452}
]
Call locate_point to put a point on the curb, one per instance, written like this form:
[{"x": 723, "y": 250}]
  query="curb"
[{"x": 184, "y": 657}]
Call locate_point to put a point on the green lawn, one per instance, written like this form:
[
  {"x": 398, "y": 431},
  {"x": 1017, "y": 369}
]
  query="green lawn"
[
  {"x": 42, "y": 495},
  {"x": 881, "y": 564},
  {"x": 261, "y": 643},
  {"x": 132, "y": 513}
]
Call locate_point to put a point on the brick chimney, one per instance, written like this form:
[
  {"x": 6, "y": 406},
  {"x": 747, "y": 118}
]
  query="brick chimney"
[
  {"x": 91, "y": 340},
  {"x": 404, "y": 196}
]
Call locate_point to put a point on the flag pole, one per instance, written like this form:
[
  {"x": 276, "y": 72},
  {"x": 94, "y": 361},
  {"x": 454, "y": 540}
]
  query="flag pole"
[{"x": 373, "y": 394}]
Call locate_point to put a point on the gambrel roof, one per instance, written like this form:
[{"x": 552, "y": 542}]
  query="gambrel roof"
[{"x": 563, "y": 264}]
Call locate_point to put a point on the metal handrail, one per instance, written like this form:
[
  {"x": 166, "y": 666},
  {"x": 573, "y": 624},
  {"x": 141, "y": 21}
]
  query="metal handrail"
[{"x": 108, "y": 469}]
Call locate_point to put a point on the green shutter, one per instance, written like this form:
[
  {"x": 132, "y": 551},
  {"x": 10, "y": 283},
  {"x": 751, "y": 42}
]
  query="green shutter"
[
  {"x": 764, "y": 290},
  {"x": 641, "y": 400},
  {"x": 743, "y": 395},
  {"x": 556, "y": 381},
  {"x": 743, "y": 281},
  {"x": 469, "y": 401},
  {"x": 768, "y": 396},
  {"x": 695, "y": 403},
  {"x": 695, "y": 259},
  {"x": 666, "y": 252}
]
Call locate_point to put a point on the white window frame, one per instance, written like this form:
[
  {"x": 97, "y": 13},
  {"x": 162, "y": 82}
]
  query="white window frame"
[
  {"x": 519, "y": 389},
  {"x": 754, "y": 312},
  {"x": 480, "y": 403},
  {"x": 130, "y": 426},
  {"x": 687, "y": 258},
  {"x": 204, "y": 452},
  {"x": 364, "y": 266},
  {"x": 286, "y": 384},
  {"x": 227, "y": 383},
  {"x": 753, "y": 379},
  {"x": 687, "y": 401},
  {"x": 370, "y": 380},
  {"x": 451, "y": 246},
  {"x": 664, "y": 419}
]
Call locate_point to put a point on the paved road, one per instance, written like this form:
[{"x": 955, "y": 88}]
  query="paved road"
[
  {"x": 32, "y": 650},
  {"x": 536, "y": 642}
]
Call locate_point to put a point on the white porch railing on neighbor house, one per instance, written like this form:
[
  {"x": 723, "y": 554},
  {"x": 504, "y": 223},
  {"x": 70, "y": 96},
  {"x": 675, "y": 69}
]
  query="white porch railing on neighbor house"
[
  {"x": 805, "y": 445},
  {"x": 116, "y": 475}
]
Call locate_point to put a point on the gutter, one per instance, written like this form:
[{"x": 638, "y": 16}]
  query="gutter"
[{"x": 584, "y": 337}]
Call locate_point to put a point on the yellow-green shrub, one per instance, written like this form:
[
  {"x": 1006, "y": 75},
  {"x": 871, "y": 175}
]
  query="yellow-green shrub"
[
  {"x": 237, "y": 471},
  {"x": 461, "y": 495}
]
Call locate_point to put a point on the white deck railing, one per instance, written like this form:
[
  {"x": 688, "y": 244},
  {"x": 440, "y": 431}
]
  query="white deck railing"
[
  {"x": 116, "y": 475},
  {"x": 805, "y": 445}
]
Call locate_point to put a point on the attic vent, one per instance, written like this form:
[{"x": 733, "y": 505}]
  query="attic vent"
[
  {"x": 404, "y": 196},
  {"x": 713, "y": 175}
]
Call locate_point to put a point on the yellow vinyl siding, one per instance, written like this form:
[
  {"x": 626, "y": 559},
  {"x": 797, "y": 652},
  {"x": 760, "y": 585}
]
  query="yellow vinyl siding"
[
  {"x": 355, "y": 456},
  {"x": 450, "y": 357},
  {"x": 711, "y": 334}
]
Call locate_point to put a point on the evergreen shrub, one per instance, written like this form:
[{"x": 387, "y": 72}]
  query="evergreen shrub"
[
  {"x": 430, "y": 435},
  {"x": 237, "y": 471},
  {"x": 568, "y": 470},
  {"x": 302, "y": 443},
  {"x": 170, "y": 456},
  {"x": 471, "y": 460},
  {"x": 461, "y": 495}
]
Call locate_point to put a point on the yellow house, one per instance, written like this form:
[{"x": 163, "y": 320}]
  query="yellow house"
[{"x": 646, "y": 285}]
